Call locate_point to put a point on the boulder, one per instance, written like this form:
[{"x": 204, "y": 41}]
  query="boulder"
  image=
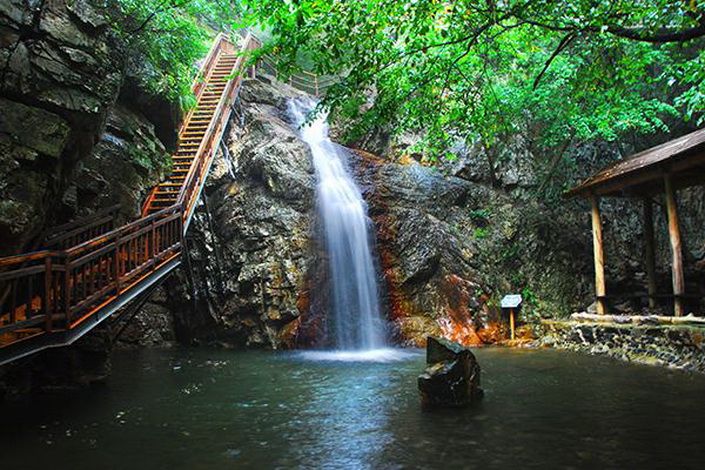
[{"x": 452, "y": 378}]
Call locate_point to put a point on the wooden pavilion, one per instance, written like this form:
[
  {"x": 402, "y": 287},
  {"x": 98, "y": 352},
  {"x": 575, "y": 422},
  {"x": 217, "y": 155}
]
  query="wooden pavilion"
[{"x": 664, "y": 169}]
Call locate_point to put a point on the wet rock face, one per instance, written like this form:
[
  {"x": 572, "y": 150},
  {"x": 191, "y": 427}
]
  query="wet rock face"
[
  {"x": 451, "y": 248},
  {"x": 525, "y": 236},
  {"x": 151, "y": 327},
  {"x": 61, "y": 73},
  {"x": 430, "y": 240},
  {"x": 58, "y": 80},
  {"x": 128, "y": 160},
  {"x": 251, "y": 253},
  {"x": 452, "y": 378}
]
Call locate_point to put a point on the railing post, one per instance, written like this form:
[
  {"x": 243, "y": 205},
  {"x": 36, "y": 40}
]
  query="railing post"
[
  {"x": 116, "y": 266},
  {"x": 67, "y": 291},
  {"x": 180, "y": 226},
  {"x": 154, "y": 244},
  {"x": 48, "y": 311}
]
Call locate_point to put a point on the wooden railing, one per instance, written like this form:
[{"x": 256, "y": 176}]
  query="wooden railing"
[
  {"x": 56, "y": 290},
  {"x": 82, "y": 229},
  {"x": 85, "y": 277},
  {"x": 190, "y": 192},
  {"x": 305, "y": 81}
]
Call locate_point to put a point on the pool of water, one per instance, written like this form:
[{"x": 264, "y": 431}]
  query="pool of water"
[{"x": 202, "y": 409}]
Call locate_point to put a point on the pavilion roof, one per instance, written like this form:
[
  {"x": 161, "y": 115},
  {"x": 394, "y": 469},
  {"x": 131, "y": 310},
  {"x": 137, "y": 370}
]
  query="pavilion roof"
[{"x": 642, "y": 173}]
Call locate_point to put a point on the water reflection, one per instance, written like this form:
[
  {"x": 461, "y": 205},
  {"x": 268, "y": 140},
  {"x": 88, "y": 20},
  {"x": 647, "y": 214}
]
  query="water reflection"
[
  {"x": 186, "y": 409},
  {"x": 371, "y": 355}
]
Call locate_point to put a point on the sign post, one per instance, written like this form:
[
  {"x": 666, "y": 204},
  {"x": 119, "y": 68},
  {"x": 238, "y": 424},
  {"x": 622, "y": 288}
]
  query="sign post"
[{"x": 512, "y": 303}]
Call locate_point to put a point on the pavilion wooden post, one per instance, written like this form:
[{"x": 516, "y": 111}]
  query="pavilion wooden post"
[
  {"x": 649, "y": 249},
  {"x": 676, "y": 247},
  {"x": 600, "y": 289}
]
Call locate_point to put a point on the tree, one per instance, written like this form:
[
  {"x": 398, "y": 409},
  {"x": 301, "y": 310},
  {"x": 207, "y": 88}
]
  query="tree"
[
  {"x": 468, "y": 69},
  {"x": 172, "y": 35}
]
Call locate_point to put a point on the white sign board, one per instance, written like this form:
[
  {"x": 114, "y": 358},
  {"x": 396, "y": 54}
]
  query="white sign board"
[{"x": 511, "y": 301}]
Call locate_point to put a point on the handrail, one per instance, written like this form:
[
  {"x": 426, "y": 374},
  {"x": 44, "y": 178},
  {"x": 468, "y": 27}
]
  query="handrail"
[
  {"x": 304, "y": 80},
  {"x": 82, "y": 229},
  {"x": 187, "y": 189}
]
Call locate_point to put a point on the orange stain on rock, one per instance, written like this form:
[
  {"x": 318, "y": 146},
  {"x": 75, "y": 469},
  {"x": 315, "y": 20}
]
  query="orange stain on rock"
[
  {"x": 455, "y": 320},
  {"x": 289, "y": 333}
]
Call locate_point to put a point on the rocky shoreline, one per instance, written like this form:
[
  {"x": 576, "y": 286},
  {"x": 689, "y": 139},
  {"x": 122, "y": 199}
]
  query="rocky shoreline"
[{"x": 666, "y": 345}]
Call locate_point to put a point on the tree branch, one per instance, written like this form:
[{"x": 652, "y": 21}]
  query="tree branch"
[
  {"x": 567, "y": 39},
  {"x": 663, "y": 37}
]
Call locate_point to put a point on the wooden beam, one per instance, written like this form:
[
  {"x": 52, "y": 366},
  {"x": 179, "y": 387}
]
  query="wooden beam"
[
  {"x": 649, "y": 251},
  {"x": 674, "y": 233},
  {"x": 600, "y": 289}
]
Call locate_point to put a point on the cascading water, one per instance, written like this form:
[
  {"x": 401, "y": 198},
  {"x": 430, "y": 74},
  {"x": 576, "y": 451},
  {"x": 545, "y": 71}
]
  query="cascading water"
[{"x": 355, "y": 306}]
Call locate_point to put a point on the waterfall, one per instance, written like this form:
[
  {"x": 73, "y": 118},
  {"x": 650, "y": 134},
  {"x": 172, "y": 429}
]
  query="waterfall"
[{"x": 354, "y": 298}]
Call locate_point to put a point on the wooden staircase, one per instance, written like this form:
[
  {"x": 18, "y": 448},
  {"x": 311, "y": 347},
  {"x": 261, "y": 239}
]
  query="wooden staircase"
[
  {"x": 194, "y": 132},
  {"x": 90, "y": 270}
]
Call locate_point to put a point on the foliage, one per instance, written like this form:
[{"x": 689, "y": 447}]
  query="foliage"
[
  {"x": 464, "y": 69},
  {"x": 172, "y": 35},
  {"x": 480, "y": 232},
  {"x": 481, "y": 216}
]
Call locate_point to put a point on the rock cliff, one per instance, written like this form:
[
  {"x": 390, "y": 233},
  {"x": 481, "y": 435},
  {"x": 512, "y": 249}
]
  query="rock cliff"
[
  {"x": 72, "y": 138},
  {"x": 245, "y": 282},
  {"x": 451, "y": 241}
]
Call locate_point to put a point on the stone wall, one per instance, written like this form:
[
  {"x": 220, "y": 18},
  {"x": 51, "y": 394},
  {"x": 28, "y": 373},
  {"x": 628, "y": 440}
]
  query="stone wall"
[{"x": 676, "y": 346}]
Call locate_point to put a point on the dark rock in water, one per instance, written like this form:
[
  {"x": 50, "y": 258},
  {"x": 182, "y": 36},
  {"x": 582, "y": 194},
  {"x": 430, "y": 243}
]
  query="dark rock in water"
[{"x": 452, "y": 378}]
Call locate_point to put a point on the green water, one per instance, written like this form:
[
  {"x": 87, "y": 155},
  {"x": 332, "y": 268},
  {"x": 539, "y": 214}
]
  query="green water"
[{"x": 199, "y": 409}]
